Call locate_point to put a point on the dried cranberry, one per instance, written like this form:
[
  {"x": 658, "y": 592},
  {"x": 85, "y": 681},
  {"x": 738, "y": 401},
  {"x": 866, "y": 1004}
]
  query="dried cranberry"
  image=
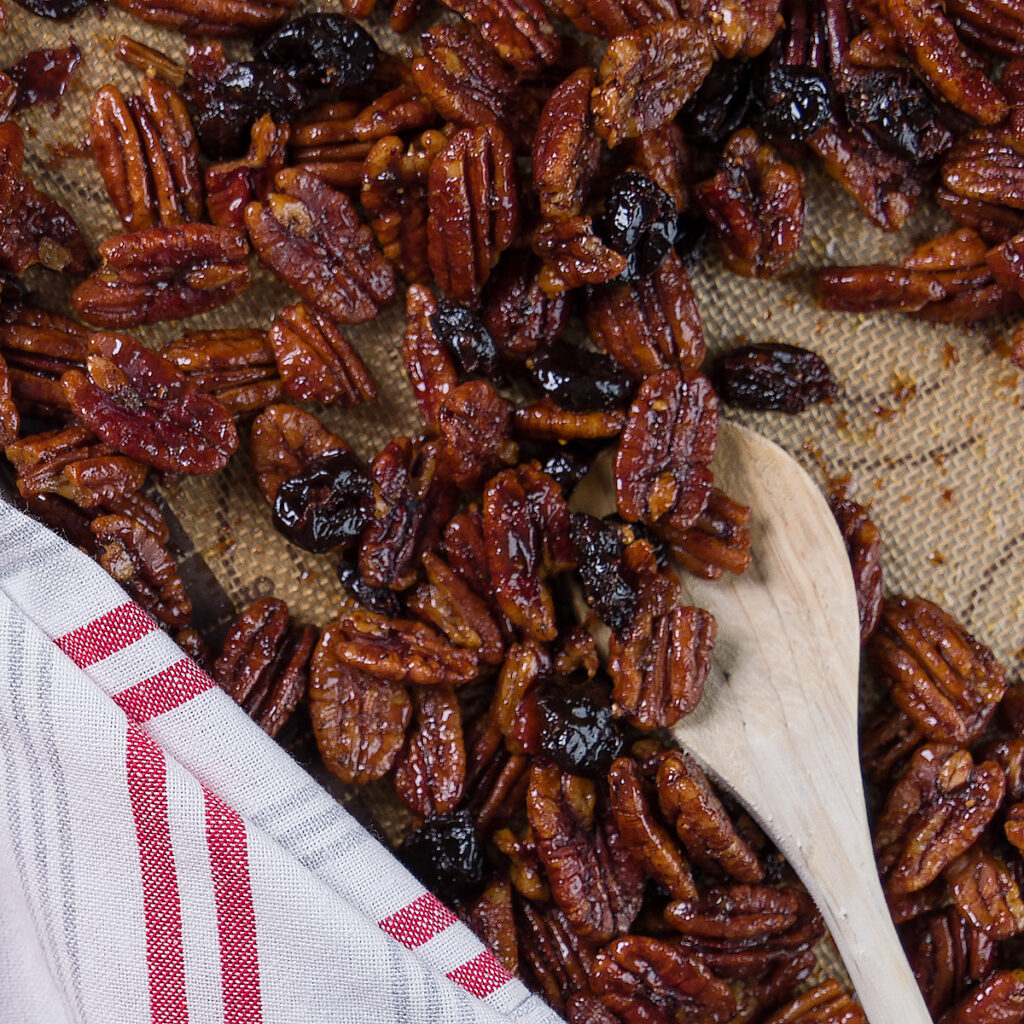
[
  {"x": 566, "y": 463},
  {"x": 322, "y": 49},
  {"x": 225, "y": 104},
  {"x": 578, "y": 731},
  {"x": 376, "y": 599},
  {"x": 59, "y": 10},
  {"x": 470, "y": 342},
  {"x": 327, "y": 505},
  {"x": 793, "y": 100},
  {"x": 896, "y": 108},
  {"x": 774, "y": 376},
  {"x": 42, "y": 75},
  {"x": 718, "y": 108},
  {"x": 599, "y": 544},
  {"x": 581, "y": 381},
  {"x": 638, "y": 222},
  {"x": 445, "y": 854}
]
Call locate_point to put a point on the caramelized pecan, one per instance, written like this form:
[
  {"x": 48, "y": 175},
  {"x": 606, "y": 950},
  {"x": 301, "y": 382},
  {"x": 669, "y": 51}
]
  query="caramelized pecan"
[
  {"x": 231, "y": 185},
  {"x": 864, "y": 545},
  {"x": 555, "y": 955},
  {"x": 359, "y": 720},
  {"x": 490, "y": 918},
  {"x": 663, "y": 157},
  {"x": 718, "y": 541},
  {"x": 430, "y": 773},
  {"x": 573, "y": 255},
  {"x": 163, "y": 273},
  {"x": 520, "y": 32},
  {"x": 825, "y": 1004},
  {"x": 310, "y": 235},
  {"x": 146, "y": 150},
  {"x": 211, "y": 17},
  {"x": 316, "y": 363},
  {"x": 935, "y": 671},
  {"x": 526, "y": 872},
  {"x": 986, "y": 892},
  {"x": 265, "y": 661},
  {"x": 475, "y": 424},
  {"x": 999, "y": 999},
  {"x": 9, "y": 419},
  {"x": 142, "y": 405},
  {"x": 887, "y": 740}
]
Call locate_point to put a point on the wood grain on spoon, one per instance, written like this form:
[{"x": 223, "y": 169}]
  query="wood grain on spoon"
[{"x": 777, "y": 725}]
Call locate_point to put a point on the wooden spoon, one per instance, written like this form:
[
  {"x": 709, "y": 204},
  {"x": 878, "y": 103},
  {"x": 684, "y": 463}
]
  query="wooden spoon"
[{"x": 777, "y": 725}]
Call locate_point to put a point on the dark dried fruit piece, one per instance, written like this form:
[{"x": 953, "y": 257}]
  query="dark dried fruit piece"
[
  {"x": 935, "y": 671},
  {"x": 772, "y": 375},
  {"x": 430, "y": 774},
  {"x": 445, "y": 854},
  {"x": 577, "y": 727},
  {"x": 310, "y": 236},
  {"x": 580, "y": 381},
  {"x": 793, "y": 101},
  {"x": 864, "y": 545},
  {"x": 607, "y": 585},
  {"x": 163, "y": 273},
  {"x": 359, "y": 720},
  {"x": 639, "y": 222},
  {"x": 321, "y": 48},
  {"x": 142, "y": 405},
  {"x": 264, "y": 664}
]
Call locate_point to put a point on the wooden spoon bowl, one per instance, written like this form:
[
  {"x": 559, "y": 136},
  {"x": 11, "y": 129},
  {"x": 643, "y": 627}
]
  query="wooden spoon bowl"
[{"x": 777, "y": 725}]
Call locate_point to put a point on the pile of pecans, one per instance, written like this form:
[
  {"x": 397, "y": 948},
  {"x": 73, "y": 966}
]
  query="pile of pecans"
[{"x": 537, "y": 209}]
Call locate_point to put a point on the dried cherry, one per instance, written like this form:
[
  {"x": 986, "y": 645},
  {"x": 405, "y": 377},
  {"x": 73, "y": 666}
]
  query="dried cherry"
[
  {"x": 793, "y": 100},
  {"x": 322, "y": 49},
  {"x": 469, "y": 340},
  {"x": 578, "y": 730},
  {"x": 59, "y": 10},
  {"x": 719, "y": 107},
  {"x": 445, "y": 854},
  {"x": 581, "y": 381},
  {"x": 774, "y": 376},
  {"x": 638, "y": 222},
  {"x": 599, "y": 545}
]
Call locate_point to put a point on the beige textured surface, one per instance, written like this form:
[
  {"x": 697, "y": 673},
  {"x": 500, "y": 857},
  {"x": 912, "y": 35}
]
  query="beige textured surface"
[{"x": 942, "y": 468}]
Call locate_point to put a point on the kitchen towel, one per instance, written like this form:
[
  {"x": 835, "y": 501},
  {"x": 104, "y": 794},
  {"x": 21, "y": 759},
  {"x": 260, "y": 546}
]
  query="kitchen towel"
[{"x": 162, "y": 860}]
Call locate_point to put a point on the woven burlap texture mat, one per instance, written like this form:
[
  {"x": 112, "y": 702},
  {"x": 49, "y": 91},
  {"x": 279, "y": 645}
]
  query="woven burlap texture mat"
[{"x": 928, "y": 423}]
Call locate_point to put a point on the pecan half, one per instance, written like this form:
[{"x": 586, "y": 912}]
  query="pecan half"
[
  {"x": 650, "y": 325},
  {"x": 142, "y": 405},
  {"x": 9, "y": 419},
  {"x": 936, "y": 672},
  {"x": 663, "y": 157},
  {"x": 473, "y": 210},
  {"x": 430, "y": 773},
  {"x": 573, "y": 255},
  {"x": 825, "y": 1004},
  {"x": 231, "y": 185},
  {"x": 514, "y": 711},
  {"x": 518, "y": 314},
  {"x": 646, "y": 76},
  {"x": 520, "y": 32},
  {"x": 475, "y": 424},
  {"x": 999, "y": 999},
  {"x": 594, "y": 880},
  {"x": 236, "y": 367},
  {"x": 211, "y": 17},
  {"x": 887, "y": 740},
  {"x": 146, "y": 150},
  {"x": 647, "y": 981},
  {"x": 717, "y": 542},
  {"x": 986, "y": 892},
  {"x": 526, "y": 873},
  {"x": 667, "y": 443},
  {"x": 755, "y": 203},
  {"x": 490, "y": 918},
  {"x": 310, "y": 236},
  {"x": 428, "y": 361},
  {"x": 163, "y": 273},
  {"x": 359, "y": 720},
  {"x": 555, "y": 955},
  {"x": 864, "y": 545},
  {"x": 317, "y": 364},
  {"x": 934, "y": 813},
  {"x": 264, "y": 664}
]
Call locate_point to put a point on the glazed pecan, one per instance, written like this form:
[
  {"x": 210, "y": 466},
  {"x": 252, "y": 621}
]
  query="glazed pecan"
[
  {"x": 310, "y": 235},
  {"x": 138, "y": 561},
  {"x": 662, "y": 459},
  {"x": 448, "y": 602},
  {"x": 473, "y": 210},
  {"x": 663, "y": 157},
  {"x": 646, "y": 76},
  {"x": 718, "y": 541},
  {"x": 526, "y": 873},
  {"x": 864, "y": 545},
  {"x": 986, "y": 892},
  {"x": 428, "y": 361},
  {"x": 39, "y": 348},
  {"x": 36, "y": 229},
  {"x": 264, "y": 664},
  {"x": 825, "y": 1004},
  {"x": 232, "y": 184},
  {"x": 739, "y": 930},
  {"x": 887, "y": 740},
  {"x": 609, "y": 18},
  {"x": 430, "y": 773},
  {"x": 650, "y": 325},
  {"x": 394, "y": 193},
  {"x": 594, "y": 879},
  {"x": 234, "y": 366},
  {"x": 660, "y": 662},
  {"x": 573, "y": 255},
  {"x": 586, "y": 1008},
  {"x": 316, "y": 363},
  {"x": 402, "y": 109},
  {"x": 755, "y": 203},
  {"x": 645, "y": 836},
  {"x": 702, "y": 823},
  {"x": 741, "y": 29},
  {"x": 546, "y": 421},
  {"x": 520, "y": 32},
  {"x": 163, "y": 273},
  {"x": 555, "y": 955},
  {"x": 999, "y": 999},
  {"x": 1009, "y": 755},
  {"x": 475, "y": 424},
  {"x": 284, "y": 442},
  {"x": 146, "y": 150},
  {"x": 490, "y": 918},
  {"x": 935, "y": 671},
  {"x": 647, "y": 981},
  {"x": 1013, "y": 826},
  {"x": 470, "y": 86},
  {"x": 9, "y": 419},
  {"x": 992, "y": 222},
  {"x": 359, "y": 720},
  {"x": 947, "y": 954},
  {"x": 514, "y": 711},
  {"x": 565, "y": 149},
  {"x": 526, "y": 528},
  {"x": 142, "y": 405},
  {"x": 935, "y": 812},
  {"x": 211, "y": 17},
  {"x": 400, "y": 650},
  {"x": 195, "y": 647},
  {"x": 987, "y": 166},
  {"x": 411, "y": 504}
]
